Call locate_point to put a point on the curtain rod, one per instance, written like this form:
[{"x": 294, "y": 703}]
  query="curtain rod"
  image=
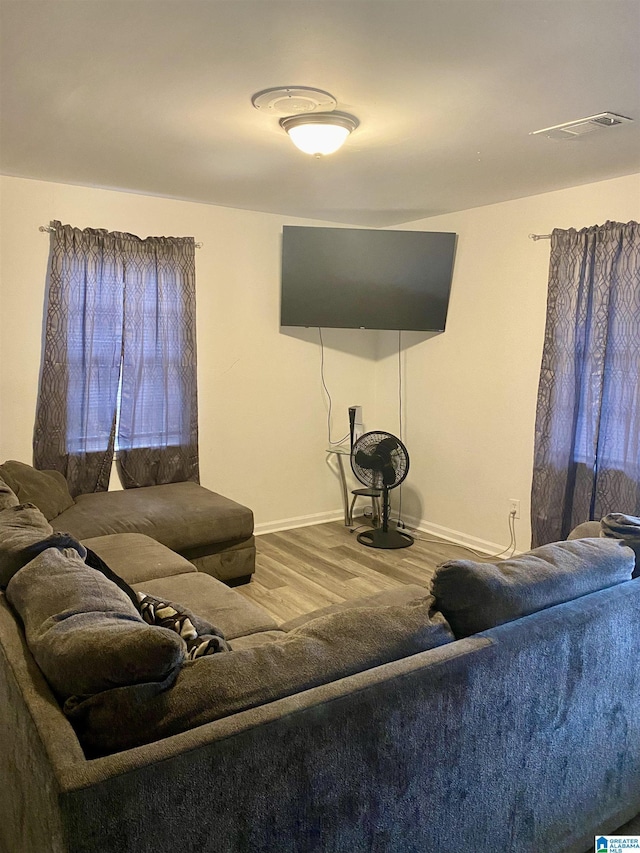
[
  {"x": 50, "y": 228},
  {"x": 539, "y": 236}
]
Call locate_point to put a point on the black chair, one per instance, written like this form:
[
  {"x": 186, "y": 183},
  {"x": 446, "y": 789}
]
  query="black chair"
[{"x": 375, "y": 495}]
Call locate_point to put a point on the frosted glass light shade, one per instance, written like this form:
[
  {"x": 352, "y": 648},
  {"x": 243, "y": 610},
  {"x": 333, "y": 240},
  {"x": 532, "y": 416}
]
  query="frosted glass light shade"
[
  {"x": 318, "y": 138},
  {"x": 319, "y": 134}
]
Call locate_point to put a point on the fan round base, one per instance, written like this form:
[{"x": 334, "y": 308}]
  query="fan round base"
[{"x": 380, "y": 538}]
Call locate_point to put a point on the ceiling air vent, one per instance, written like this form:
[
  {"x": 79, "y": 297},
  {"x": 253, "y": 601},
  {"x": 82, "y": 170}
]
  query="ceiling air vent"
[{"x": 581, "y": 126}]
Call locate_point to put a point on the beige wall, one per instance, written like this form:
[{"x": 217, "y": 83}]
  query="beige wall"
[
  {"x": 262, "y": 413},
  {"x": 470, "y": 394}
]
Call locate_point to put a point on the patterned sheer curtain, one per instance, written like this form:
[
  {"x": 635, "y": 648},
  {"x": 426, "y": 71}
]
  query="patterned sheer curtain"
[
  {"x": 587, "y": 437},
  {"x": 119, "y": 365}
]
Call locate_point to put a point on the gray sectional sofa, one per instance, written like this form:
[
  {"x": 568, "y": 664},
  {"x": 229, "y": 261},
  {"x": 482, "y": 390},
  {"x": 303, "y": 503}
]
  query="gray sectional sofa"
[
  {"x": 211, "y": 531},
  {"x": 371, "y": 727}
]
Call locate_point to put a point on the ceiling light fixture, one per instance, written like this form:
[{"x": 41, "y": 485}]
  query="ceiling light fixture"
[
  {"x": 315, "y": 128},
  {"x": 319, "y": 133}
]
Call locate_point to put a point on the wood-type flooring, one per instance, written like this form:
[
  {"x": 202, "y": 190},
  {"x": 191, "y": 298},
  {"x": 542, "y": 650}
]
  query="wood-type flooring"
[{"x": 300, "y": 570}]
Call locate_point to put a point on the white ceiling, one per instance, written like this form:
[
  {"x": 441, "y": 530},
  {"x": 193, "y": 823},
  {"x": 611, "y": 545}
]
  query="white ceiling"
[{"x": 154, "y": 96}]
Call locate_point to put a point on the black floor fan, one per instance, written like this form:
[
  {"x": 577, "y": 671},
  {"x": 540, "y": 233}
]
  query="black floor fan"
[{"x": 381, "y": 461}]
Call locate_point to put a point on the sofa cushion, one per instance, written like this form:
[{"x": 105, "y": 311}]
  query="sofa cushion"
[
  {"x": 48, "y": 490},
  {"x": 20, "y": 526},
  {"x": 212, "y": 600},
  {"x": 181, "y": 516},
  {"x": 83, "y": 631},
  {"x": 399, "y": 595},
  {"x": 96, "y": 562},
  {"x": 8, "y": 497},
  {"x": 249, "y": 641},
  {"x": 477, "y": 596},
  {"x": 226, "y": 561},
  {"x": 328, "y": 648},
  {"x": 361, "y": 629},
  {"x": 137, "y": 558}
]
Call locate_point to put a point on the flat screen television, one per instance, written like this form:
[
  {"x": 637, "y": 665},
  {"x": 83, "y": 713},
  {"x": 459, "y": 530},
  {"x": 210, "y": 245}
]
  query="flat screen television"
[{"x": 352, "y": 278}]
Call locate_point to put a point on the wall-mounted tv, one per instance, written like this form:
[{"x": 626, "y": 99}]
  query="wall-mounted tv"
[{"x": 352, "y": 278}]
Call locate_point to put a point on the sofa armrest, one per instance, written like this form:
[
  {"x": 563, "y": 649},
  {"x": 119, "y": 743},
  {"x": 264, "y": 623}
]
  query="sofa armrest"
[{"x": 586, "y": 530}]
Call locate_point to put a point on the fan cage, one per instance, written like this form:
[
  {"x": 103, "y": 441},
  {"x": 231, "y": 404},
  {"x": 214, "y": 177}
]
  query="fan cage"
[{"x": 399, "y": 458}]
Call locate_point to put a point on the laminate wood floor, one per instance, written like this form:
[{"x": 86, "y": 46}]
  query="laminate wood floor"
[{"x": 310, "y": 567}]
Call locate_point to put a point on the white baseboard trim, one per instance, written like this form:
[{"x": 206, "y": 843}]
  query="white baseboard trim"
[
  {"x": 455, "y": 536},
  {"x": 298, "y": 521},
  {"x": 422, "y": 525}
]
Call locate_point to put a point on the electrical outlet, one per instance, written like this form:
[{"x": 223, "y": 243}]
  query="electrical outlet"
[{"x": 514, "y": 507}]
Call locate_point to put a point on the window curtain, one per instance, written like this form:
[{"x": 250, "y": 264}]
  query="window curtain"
[
  {"x": 119, "y": 360},
  {"x": 587, "y": 434}
]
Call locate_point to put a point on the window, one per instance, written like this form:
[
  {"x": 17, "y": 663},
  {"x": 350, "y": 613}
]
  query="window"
[
  {"x": 587, "y": 453},
  {"x": 119, "y": 367}
]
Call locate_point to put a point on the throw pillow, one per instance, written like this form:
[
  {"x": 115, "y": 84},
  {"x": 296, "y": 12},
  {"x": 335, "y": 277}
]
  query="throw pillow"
[
  {"x": 7, "y": 496},
  {"x": 48, "y": 490},
  {"x": 84, "y": 633},
  {"x": 20, "y": 526},
  {"x": 477, "y": 596},
  {"x": 200, "y": 637}
]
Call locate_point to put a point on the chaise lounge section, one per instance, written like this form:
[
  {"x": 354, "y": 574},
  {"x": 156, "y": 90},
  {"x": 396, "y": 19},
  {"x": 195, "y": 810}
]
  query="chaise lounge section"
[{"x": 211, "y": 531}]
